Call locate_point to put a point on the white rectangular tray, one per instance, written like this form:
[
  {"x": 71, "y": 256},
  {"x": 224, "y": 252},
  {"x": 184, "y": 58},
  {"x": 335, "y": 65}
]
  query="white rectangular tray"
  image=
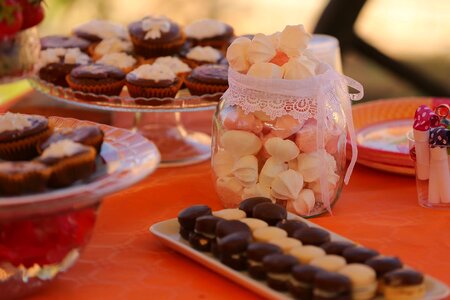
[{"x": 168, "y": 232}]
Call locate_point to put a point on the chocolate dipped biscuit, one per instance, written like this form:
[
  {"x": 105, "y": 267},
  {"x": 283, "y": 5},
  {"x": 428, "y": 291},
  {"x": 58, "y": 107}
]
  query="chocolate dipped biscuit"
[
  {"x": 358, "y": 254},
  {"x": 226, "y": 227},
  {"x": 278, "y": 268},
  {"x": 384, "y": 264},
  {"x": 312, "y": 236},
  {"x": 301, "y": 284},
  {"x": 232, "y": 250},
  {"x": 270, "y": 213},
  {"x": 188, "y": 216},
  {"x": 255, "y": 254},
  {"x": 336, "y": 247},
  {"x": 290, "y": 226},
  {"x": 204, "y": 233},
  {"x": 248, "y": 204},
  {"x": 404, "y": 284},
  {"x": 332, "y": 286}
]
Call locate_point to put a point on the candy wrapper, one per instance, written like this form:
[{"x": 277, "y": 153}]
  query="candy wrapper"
[
  {"x": 280, "y": 129},
  {"x": 439, "y": 181}
]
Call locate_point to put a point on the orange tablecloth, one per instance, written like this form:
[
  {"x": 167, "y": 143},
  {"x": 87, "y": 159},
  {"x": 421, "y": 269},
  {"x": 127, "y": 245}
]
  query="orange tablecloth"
[{"x": 124, "y": 261}]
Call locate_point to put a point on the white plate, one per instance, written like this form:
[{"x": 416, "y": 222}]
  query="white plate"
[{"x": 167, "y": 232}]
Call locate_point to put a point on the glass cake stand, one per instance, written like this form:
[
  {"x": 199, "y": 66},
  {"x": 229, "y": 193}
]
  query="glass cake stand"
[{"x": 161, "y": 123}]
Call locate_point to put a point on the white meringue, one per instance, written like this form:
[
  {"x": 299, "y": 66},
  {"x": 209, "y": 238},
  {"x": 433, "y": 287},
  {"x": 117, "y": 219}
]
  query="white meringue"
[
  {"x": 298, "y": 68},
  {"x": 270, "y": 170},
  {"x": 275, "y": 39},
  {"x": 281, "y": 150},
  {"x": 222, "y": 163},
  {"x": 237, "y": 54},
  {"x": 304, "y": 202},
  {"x": 235, "y": 118},
  {"x": 332, "y": 179},
  {"x": 287, "y": 185},
  {"x": 309, "y": 164},
  {"x": 265, "y": 70},
  {"x": 256, "y": 190},
  {"x": 261, "y": 49},
  {"x": 240, "y": 143},
  {"x": 294, "y": 40},
  {"x": 246, "y": 170}
]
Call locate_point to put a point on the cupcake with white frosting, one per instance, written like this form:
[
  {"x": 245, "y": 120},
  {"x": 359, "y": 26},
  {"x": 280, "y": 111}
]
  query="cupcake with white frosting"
[
  {"x": 150, "y": 81},
  {"x": 200, "y": 55},
  {"x": 98, "y": 30},
  {"x": 209, "y": 32},
  {"x": 178, "y": 66},
  {"x": 122, "y": 61},
  {"x": 109, "y": 46}
]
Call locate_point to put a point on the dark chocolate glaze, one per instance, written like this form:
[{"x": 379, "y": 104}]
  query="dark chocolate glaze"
[
  {"x": 358, "y": 254},
  {"x": 212, "y": 74},
  {"x": 312, "y": 236},
  {"x": 61, "y": 41},
  {"x": 384, "y": 264},
  {"x": 38, "y": 124},
  {"x": 227, "y": 227},
  {"x": 97, "y": 72},
  {"x": 403, "y": 277},
  {"x": 187, "y": 216},
  {"x": 56, "y": 73},
  {"x": 248, "y": 204},
  {"x": 336, "y": 247},
  {"x": 234, "y": 243},
  {"x": 305, "y": 273},
  {"x": 78, "y": 135},
  {"x": 333, "y": 282},
  {"x": 290, "y": 226},
  {"x": 207, "y": 225},
  {"x": 257, "y": 251},
  {"x": 136, "y": 31},
  {"x": 269, "y": 212},
  {"x": 279, "y": 263},
  {"x": 133, "y": 79},
  {"x": 200, "y": 242}
]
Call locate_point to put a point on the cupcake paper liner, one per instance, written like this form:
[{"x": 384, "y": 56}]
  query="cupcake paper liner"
[
  {"x": 29, "y": 182},
  {"x": 24, "y": 148},
  {"x": 107, "y": 89},
  {"x": 198, "y": 89},
  {"x": 152, "y": 92},
  {"x": 70, "y": 169}
]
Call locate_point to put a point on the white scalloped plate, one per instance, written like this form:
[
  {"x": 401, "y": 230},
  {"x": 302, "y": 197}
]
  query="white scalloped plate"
[{"x": 167, "y": 232}]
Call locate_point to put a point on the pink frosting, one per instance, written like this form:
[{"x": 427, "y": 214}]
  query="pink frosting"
[{"x": 425, "y": 118}]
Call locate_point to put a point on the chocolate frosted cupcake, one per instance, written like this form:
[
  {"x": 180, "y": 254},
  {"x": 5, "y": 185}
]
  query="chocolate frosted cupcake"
[
  {"x": 209, "y": 32},
  {"x": 56, "y": 63},
  {"x": 22, "y": 177},
  {"x": 122, "y": 61},
  {"x": 66, "y": 42},
  {"x": 97, "y": 79},
  {"x": 203, "y": 55},
  {"x": 86, "y": 135},
  {"x": 150, "y": 81},
  {"x": 69, "y": 162},
  {"x": 156, "y": 36},
  {"x": 19, "y": 135},
  {"x": 97, "y": 30},
  {"x": 208, "y": 79}
]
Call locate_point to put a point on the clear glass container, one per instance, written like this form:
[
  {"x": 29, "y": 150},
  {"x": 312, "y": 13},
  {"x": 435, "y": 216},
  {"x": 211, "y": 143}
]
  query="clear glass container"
[{"x": 298, "y": 162}]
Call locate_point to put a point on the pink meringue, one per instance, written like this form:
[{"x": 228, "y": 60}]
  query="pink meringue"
[
  {"x": 261, "y": 49},
  {"x": 286, "y": 126},
  {"x": 305, "y": 202},
  {"x": 294, "y": 40},
  {"x": 245, "y": 170},
  {"x": 265, "y": 70},
  {"x": 240, "y": 143},
  {"x": 222, "y": 163},
  {"x": 280, "y": 59},
  {"x": 229, "y": 190},
  {"x": 237, "y": 54},
  {"x": 235, "y": 118},
  {"x": 287, "y": 185},
  {"x": 281, "y": 150},
  {"x": 306, "y": 138}
]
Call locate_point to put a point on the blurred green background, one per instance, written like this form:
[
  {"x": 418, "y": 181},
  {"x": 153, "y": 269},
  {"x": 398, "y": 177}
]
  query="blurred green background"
[{"x": 413, "y": 31}]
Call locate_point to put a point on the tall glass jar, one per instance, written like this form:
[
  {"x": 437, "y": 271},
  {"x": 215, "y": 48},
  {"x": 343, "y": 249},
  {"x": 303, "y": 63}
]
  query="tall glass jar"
[{"x": 283, "y": 139}]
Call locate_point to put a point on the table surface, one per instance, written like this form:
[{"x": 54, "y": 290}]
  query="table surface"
[{"x": 123, "y": 260}]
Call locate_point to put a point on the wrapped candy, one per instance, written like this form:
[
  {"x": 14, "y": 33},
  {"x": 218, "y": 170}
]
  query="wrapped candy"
[{"x": 439, "y": 175}]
